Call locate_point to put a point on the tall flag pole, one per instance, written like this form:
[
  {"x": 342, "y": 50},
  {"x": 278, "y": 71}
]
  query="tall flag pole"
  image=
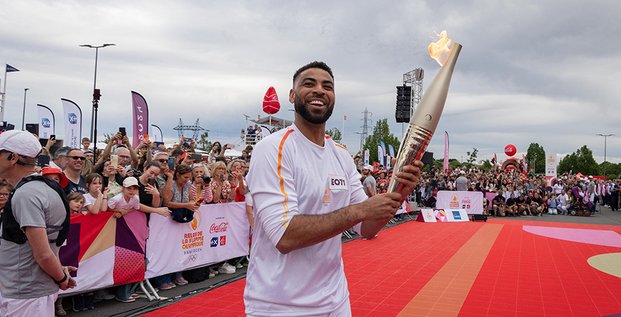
[{"x": 8, "y": 69}]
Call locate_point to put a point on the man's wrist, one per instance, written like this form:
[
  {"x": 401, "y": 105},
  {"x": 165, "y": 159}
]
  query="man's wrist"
[{"x": 62, "y": 280}]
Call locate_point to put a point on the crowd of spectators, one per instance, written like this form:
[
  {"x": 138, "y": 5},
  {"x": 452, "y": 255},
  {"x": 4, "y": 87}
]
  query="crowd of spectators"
[{"x": 149, "y": 178}]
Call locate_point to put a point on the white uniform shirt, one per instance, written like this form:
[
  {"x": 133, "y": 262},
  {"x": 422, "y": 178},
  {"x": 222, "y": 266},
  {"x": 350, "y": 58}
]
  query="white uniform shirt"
[{"x": 290, "y": 175}]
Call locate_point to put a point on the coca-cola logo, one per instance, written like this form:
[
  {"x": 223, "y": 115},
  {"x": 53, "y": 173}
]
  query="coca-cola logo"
[{"x": 218, "y": 228}]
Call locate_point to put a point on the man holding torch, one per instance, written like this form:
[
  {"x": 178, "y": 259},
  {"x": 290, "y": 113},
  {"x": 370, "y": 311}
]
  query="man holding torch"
[{"x": 306, "y": 192}]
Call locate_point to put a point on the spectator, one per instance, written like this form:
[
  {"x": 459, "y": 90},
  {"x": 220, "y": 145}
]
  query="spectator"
[
  {"x": 369, "y": 184},
  {"x": 96, "y": 200},
  {"x": 5, "y": 191},
  {"x": 498, "y": 204},
  {"x": 563, "y": 202},
  {"x": 86, "y": 144},
  {"x": 73, "y": 172},
  {"x": 59, "y": 158},
  {"x": 219, "y": 183},
  {"x": 216, "y": 151},
  {"x": 461, "y": 183},
  {"x": 201, "y": 191},
  {"x": 238, "y": 184},
  {"x": 76, "y": 202}
]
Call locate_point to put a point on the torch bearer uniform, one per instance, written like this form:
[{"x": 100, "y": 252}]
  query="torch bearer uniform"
[{"x": 290, "y": 175}]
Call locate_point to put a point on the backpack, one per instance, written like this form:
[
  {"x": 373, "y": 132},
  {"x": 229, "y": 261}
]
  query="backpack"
[{"x": 11, "y": 230}]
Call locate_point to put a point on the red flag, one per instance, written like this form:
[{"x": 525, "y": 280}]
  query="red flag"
[
  {"x": 494, "y": 160},
  {"x": 270, "y": 101}
]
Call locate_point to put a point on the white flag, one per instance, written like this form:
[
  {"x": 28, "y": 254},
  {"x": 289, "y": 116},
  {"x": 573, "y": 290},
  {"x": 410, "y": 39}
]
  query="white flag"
[
  {"x": 73, "y": 123},
  {"x": 47, "y": 122}
]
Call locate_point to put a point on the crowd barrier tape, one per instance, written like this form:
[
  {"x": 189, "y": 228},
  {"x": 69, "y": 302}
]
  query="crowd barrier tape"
[
  {"x": 108, "y": 251},
  {"x": 471, "y": 201}
]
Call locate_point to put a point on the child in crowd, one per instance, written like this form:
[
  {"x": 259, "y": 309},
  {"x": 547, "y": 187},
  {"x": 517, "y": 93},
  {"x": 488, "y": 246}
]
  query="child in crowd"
[
  {"x": 127, "y": 200},
  {"x": 96, "y": 200},
  {"x": 76, "y": 202}
]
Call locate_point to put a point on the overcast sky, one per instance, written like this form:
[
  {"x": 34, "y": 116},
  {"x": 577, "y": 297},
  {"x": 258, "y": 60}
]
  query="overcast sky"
[{"x": 529, "y": 71}]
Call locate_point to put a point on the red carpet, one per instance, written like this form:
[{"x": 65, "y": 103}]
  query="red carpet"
[{"x": 466, "y": 269}]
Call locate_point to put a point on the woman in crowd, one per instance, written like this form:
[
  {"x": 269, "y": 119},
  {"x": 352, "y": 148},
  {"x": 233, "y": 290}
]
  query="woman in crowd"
[
  {"x": 96, "y": 199},
  {"x": 200, "y": 191},
  {"x": 216, "y": 151},
  {"x": 220, "y": 185},
  {"x": 180, "y": 198},
  {"x": 238, "y": 184},
  {"x": 5, "y": 191}
]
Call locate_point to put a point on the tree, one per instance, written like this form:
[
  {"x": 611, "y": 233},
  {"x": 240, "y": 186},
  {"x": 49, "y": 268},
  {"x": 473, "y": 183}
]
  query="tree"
[
  {"x": 472, "y": 156},
  {"x": 486, "y": 165},
  {"x": 203, "y": 142},
  {"x": 454, "y": 164},
  {"x": 612, "y": 170},
  {"x": 580, "y": 161},
  {"x": 381, "y": 133},
  {"x": 335, "y": 134},
  {"x": 536, "y": 158}
]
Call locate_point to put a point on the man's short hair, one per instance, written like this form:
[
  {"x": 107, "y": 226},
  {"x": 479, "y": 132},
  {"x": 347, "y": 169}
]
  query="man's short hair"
[
  {"x": 315, "y": 64},
  {"x": 62, "y": 151},
  {"x": 85, "y": 139}
]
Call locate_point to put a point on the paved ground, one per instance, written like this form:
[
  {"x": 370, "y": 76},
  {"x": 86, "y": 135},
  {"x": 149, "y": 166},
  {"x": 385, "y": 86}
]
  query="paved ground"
[{"x": 113, "y": 308}]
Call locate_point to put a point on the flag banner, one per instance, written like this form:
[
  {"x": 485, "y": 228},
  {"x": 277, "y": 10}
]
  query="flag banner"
[
  {"x": 445, "y": 165},
  {"x": 380, "y": 155},
  {"x": 472, "y": 202},
  {"x": 524, "y": 164},
  {"x": 366, "y": 157},
  {"x": 551, "y": 165},
  {"x": 494, "y": 160},
  {"x": 158, "y": 136},
  {"x": 391, "y": 150},
  {"x": 10, "y": 68},
  {"x": 73, "y": 123},
  {"x": 217, "y": 233},
  {"x": 107, "y": 251},
  {"x": 140, "y": 112},
  {"x": 47, "y": 122}
]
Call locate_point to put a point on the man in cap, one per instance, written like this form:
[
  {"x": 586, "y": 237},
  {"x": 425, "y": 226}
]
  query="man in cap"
[
  {"x": 461, "y": 183},
  {"x": 31, "y": 272},
  {"x": 369, "y": 184}
]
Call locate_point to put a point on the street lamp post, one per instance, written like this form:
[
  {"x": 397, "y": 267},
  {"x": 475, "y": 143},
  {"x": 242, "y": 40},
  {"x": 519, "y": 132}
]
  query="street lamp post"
[
  {"x": 24, "y": 109},
  {"x": 96, "y": 96},
  {"x": 605, "y": 139}
]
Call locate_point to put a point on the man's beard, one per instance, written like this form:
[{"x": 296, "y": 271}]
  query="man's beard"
[{"x": 301, "y": 109}]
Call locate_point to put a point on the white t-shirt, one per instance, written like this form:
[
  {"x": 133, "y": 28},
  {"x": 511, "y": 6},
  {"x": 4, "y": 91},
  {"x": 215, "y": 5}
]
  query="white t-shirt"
[
  {"x": 89, "y": 199},
  {"x": 289, "y": 176}
]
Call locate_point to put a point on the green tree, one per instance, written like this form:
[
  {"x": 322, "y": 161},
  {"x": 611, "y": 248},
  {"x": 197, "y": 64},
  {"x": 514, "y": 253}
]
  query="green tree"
[
  {"x": 381, "y": 133},
  {"x": 203, "y": 142},
  {"x": 486, "y": 165},
  {"x": 580, "y": 161},
  {"x": 454, "y": 164},
  {"x": 335, "y": 134},
  {"x": 612, "y": 170},
  {"x": 472, "y": 156},
  {"x": 536, "y": 158}
]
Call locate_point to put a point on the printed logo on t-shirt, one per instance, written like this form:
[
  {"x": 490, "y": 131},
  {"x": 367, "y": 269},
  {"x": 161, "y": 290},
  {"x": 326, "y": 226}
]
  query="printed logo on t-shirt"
[{"x": 337, "y": 183}]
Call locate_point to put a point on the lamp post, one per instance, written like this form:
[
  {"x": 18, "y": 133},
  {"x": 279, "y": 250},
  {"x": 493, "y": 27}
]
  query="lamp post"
[
  {"x": 24, "y": 109},
  {"x": 605, "y": 139},
  {"x": 96, "y": 96}
]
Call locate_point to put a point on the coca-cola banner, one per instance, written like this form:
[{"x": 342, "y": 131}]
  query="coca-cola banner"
[{"x": 217, "y": 233}]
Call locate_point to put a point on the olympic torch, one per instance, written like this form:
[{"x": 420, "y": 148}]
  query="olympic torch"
[{"x": 427, "y": 115}]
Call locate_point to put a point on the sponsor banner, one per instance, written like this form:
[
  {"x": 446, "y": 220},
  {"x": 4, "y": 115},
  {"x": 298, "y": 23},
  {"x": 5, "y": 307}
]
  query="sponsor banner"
[
  {"x": 472, "y": 202},
  {"x": 456, "y": 215},
  {"x": 217, "y": 233},
  {"x": 47, "y": 122},
  {"x": 107, "y": 251},
  {"x": 140, "y": 112},
  {"x": 551, "y": 165},
  {"x": 427, "y": 215},
  {"x": 73, "y": 123}
]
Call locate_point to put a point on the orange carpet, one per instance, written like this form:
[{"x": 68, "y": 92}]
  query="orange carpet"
[{"x": 459, "y": 269}]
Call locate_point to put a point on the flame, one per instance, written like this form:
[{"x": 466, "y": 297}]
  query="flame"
[{"x": 439, "y": 50}]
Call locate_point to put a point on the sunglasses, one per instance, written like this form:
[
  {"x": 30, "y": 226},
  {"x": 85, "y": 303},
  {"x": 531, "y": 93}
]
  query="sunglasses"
[
  {"x": 162, "y": 160},
  {"x": 81, "y": 158}
]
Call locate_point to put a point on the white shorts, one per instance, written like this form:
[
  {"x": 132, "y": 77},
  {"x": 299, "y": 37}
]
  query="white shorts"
[
  {"x": 40, "y": 306},
  {"x": 344, "y": 310}
]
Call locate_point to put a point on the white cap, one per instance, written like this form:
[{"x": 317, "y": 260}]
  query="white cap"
[
  {"x": 20, "y": 142},
  {"x": 367, "y": 167},
  {"x": 130, "y": 181}
]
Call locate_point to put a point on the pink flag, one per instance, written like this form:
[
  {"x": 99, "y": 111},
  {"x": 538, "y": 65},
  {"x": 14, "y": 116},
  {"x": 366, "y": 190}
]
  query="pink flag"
[
  {"x": 445, "y": 166},
  {"x": 141, "y": 118}
]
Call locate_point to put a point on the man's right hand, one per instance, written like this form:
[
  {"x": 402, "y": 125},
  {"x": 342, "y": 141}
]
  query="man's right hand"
[
  {"x": 381, "y": 206},
  {"x": 69, "y": 282}
]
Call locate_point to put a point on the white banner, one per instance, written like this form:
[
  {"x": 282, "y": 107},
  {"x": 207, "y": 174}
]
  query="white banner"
[
  {"x": 47, "y": 122},
  {"x": 73, "y": 123},
  {"x": 472, "y": 202},
  {"x": 218, "y": 232}
]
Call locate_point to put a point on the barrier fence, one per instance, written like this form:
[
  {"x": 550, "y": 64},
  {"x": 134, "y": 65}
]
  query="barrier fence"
[{"x": 108, "y": 251}]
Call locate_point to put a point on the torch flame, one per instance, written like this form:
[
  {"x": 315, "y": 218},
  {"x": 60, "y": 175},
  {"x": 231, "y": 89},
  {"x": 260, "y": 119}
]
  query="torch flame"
[{"x": 439, "y": 50}]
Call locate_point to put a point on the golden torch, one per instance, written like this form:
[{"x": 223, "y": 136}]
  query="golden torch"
[{"x": 427, "y": 115}]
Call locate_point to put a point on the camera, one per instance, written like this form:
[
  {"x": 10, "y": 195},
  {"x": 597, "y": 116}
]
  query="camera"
[{"x": 206, "y": 179}]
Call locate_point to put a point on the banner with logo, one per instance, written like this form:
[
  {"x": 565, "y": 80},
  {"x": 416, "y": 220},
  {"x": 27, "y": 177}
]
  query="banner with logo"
[
  {"x": 551, "y": 165},
  {"x": 218, "y": 232},
  {"x": 47, "y": 122},
  {"x": 107, "y": 251},
  {"x": 140, "y": 112},
  {"x": 472, "y": 202},
  {"x": 73, "y": 123}
]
